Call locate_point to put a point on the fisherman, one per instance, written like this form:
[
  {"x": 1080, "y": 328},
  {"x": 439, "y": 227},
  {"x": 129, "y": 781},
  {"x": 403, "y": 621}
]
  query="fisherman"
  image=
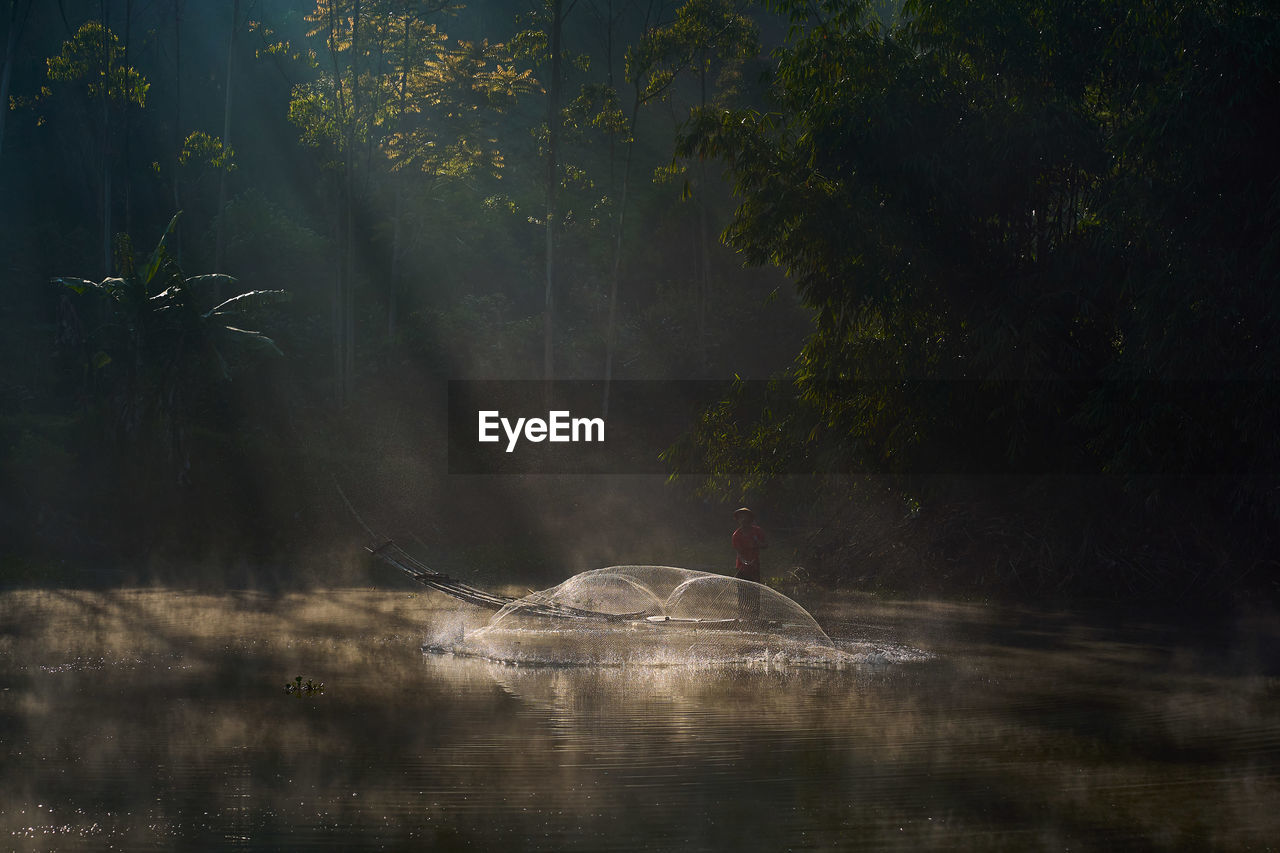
[{"x": 748, "y": 540}]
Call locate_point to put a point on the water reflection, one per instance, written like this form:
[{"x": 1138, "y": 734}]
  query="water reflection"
[{"x": 159, "y": 718}]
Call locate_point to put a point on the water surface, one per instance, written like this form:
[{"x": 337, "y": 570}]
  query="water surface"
[{"x": 156, "y": 719}]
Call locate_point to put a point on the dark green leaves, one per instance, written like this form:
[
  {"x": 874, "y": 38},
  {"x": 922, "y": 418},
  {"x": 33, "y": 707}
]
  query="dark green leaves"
[
  {"x": 158, "y": 346},
  {"x": 1033, "y": 204}
]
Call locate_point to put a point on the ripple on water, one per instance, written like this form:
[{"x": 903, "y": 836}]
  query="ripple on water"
[{"x": 664, "y": 644}]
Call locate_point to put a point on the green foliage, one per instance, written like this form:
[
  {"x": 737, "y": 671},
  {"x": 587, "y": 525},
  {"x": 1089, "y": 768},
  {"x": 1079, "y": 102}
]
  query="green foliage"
[
  {"x": 313, "y": 111},
  {"x": 421, "y": 234},
  {"x": 161, "y": 344},
  {"x": 596, "y": 107},
  {"x": 530, "y": 43},
  {"x": 271, "y": 46},
  {"x": 452, "y": 97},
  {"x": 299, "y": 688},
  {"x": 424, "y": 103},
  {"x": 709, "y": 39},
  {"x": 1016, "y": 224},
  {"x": 743, "y": 442},
  {"x": 201, "y": 149},
  {"x": 263, "y": 236},
  {"x": 91, "y": 58}
]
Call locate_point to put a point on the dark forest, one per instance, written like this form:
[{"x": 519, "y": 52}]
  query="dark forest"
[{"x": 988, "y": 292}]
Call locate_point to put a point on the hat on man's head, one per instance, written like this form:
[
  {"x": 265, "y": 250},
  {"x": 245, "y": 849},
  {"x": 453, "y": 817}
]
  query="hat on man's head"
[{"x": 740, "y": 510}]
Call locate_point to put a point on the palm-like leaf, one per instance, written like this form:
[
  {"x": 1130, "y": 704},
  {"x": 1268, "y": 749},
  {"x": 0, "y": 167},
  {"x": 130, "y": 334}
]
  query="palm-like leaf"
[
  {"x": 110, "y": 287},
  {"x": 247, "y": 301},
  {"x": 79, "y": 285},
  {"x": 170, "y": 293},
  {"x": 253, "y": 338},
  {"x": 152, "y": 266},
  {"x": 209, "y": 278}
]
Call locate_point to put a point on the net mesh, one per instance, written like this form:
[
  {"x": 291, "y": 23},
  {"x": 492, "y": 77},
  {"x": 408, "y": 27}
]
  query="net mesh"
[{"x": 652, "y": 615}]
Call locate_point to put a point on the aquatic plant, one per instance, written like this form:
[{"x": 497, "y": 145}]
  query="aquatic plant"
[{"x": 298, "y": 688}]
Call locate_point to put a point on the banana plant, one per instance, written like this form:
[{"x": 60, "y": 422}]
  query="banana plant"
[{"x": 157, "y": 343}]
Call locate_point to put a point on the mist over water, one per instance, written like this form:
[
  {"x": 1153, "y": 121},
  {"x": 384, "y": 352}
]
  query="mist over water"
[{"x": 158, "y": 718}]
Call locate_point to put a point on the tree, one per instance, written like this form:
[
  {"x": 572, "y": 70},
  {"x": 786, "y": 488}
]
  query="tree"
[
  {"x": 648, "y": 82},
  {"x": 16, "y": 23},
  {"x": 710, "y": 40},
  {"x": 219, "y": 254},
  {"x": 177, "y": 120},
  {"x": 415, "y": 39},
  {"x": 543, "y": 43},
  {"x": 1016, "y": 226},
  {"x": 160, "y": 343},
  {"x": 91, "y": 64},
  {"x": 397, "y": 97},
  {"x": 440, "y": 124}
]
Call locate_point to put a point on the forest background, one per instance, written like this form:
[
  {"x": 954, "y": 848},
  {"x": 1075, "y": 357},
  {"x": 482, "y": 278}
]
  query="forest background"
[{"x": 988, "y": 290}]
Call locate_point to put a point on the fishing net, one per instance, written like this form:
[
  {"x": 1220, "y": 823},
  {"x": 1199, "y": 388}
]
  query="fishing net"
[{"x": 650, "y": 615}]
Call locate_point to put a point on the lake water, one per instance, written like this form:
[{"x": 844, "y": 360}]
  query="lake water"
[{"x": 158, "y": 719}]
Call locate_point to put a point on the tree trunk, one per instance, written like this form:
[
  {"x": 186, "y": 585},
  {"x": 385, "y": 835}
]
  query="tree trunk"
[
  {"x": 341, "y": 230},
  {"x": 335, "y": 303},
  {"x": 704, "y": 273},
  {"x": 124, "y": 104},
  {"x": 393, "y": 279},
  {"x": 610, "y": 337},
  {"x": 349, "y": 307},
  {"x": 553, "y": 139},
  {"x": 336, "y": 295},
  {"x": 704, "y": 254},
  {"x": 219, "y": 243},
  {"x": 611, "y": 329},
  {"x": 177, "y": 126},
  {"x": 17, "y": 21},
  {"x": 106, "y": 144},
  {"x": 608, "y": 82}
]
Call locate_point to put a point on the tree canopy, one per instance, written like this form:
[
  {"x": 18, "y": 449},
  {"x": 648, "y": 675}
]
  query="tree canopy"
[
  {"x": 1024, "y": 240},
  {"x": 1035, "y": 236}
]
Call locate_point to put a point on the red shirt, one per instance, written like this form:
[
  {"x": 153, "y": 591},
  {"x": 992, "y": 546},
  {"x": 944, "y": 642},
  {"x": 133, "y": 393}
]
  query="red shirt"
[{"x": 748, "y": 542}]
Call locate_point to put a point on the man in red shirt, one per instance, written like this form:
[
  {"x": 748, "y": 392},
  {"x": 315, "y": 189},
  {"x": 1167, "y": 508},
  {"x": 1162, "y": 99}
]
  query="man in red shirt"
[{"x": 748, "y": 541}]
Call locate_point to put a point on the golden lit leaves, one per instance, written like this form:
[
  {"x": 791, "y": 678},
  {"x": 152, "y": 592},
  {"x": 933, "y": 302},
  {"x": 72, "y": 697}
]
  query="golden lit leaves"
[
  {"x": 202, "y": 149},
  {"x": 92, "y": 58},
  {"x": 450, "y": 97},
  {"x": 280, "y": 49},
  {"x": 395, "y": 86}
]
